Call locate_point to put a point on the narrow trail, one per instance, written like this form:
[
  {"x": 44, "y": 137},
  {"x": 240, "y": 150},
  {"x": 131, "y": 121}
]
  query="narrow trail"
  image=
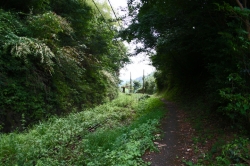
[{"x": 176, "y": 143}]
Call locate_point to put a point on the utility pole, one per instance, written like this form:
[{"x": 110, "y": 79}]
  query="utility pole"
[
  {"x": 143, "y": 89},
  {"x": 130, "y": 83}
]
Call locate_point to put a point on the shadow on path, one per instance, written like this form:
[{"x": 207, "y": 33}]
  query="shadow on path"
[{"x": 174, "y": 143}]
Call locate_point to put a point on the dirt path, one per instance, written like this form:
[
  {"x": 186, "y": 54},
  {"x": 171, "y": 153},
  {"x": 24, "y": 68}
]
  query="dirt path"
[{"x": 176, "y": 144}]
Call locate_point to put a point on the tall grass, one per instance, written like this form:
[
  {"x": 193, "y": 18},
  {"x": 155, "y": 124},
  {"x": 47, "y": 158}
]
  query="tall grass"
[{"x": 116, "y": 133}]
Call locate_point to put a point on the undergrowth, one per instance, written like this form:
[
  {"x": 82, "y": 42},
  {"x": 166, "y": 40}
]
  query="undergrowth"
[
  {"x": 116, "y": 133},
  {"x": 217, "y": 141}
]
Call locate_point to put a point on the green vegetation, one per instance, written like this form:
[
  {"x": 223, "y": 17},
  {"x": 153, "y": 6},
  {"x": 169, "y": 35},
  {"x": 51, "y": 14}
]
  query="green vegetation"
[
  {"x": 56, "y": 56},
  {"x": 60, "y": 57},
  {"x": 150, "y": 84},
  {"x": 116, "y": 133},
  {"x": 236, "y": 152},
  {"x": 202, "y": 58},
  {"x": 137, "y": 85},
  {"x": 202, "y": 50},
  {"x": 216, "y": 141}
]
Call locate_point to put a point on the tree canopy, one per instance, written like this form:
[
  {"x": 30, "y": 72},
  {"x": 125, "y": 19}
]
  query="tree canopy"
[{"x": 202, "y": 48}]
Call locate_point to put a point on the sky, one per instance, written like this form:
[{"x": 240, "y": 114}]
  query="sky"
[{"x": 140, "y": 62}]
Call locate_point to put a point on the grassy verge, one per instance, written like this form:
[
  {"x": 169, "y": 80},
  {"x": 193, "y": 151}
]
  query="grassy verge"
[{"x": 116, "y": 133}]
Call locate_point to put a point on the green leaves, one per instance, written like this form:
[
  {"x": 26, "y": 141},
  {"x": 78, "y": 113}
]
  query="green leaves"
[
  {"x": 48, "y": 25},
  {"x": 36, "y": 6},
  {"x": 238, "y": 104},
  {"x": 136, "y": 85},
  {"x": 25, "y": 48},
  {"x": 9, "y": 26},
  {"x": 236, "y": 152},
  {"x": 122, "y": 136},
  {"x": 59, "y": 54},
  {"x": 238, "y": 101},
  {"x": 128, "y": 143},
  {"x": 202, "y": 48}
]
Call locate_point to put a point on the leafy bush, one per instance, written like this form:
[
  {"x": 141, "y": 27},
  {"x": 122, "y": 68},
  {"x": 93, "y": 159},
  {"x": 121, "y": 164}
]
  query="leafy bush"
[
  {"x": 48, "y": 25},
  {"x": 233, "y": 87},
  {"x": 236, "y": 152}
]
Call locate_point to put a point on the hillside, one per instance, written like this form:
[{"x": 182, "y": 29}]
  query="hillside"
[{"x": 56, "y": 57}]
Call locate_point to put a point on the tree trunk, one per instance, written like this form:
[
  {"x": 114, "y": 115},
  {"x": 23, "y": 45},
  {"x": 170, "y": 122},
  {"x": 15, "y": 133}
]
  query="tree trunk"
[{"x": 243, "y": 5}]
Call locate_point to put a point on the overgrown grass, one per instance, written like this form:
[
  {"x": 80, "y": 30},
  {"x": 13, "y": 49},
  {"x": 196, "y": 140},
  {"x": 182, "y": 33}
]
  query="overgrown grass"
[{"x": 116, "y": 133}]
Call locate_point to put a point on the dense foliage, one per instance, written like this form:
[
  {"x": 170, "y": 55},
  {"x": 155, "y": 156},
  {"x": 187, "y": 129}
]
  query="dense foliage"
[
  {"x": 202, "y": 47},
  {"x": 115, "y": 133},
  {"x": 55, "y": 56}
]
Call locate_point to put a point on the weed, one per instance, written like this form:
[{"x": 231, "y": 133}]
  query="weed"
[
  {"x": 188, "y": 163},
  {"x": 116, "y": 133},
  {"x": 236, "y": 152}
]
